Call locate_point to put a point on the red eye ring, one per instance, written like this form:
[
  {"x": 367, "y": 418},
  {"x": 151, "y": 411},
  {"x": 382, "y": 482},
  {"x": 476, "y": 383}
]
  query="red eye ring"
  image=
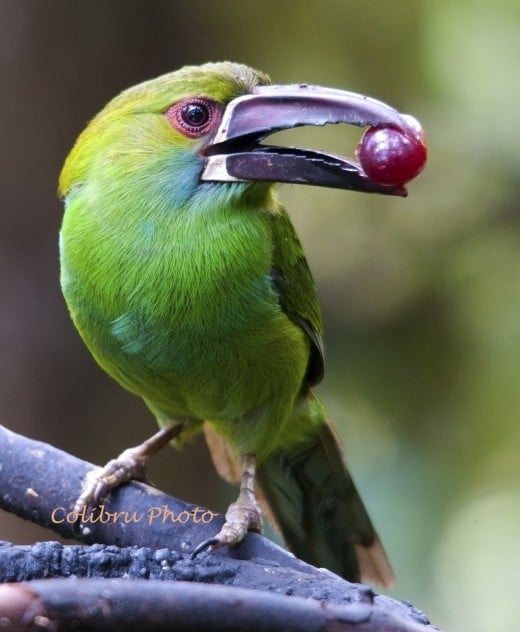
[{"x": 195, "y": 116}]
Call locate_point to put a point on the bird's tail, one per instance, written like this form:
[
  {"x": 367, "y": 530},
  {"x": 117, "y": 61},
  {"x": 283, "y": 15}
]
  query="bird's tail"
[{"x": 315, "y": 504}]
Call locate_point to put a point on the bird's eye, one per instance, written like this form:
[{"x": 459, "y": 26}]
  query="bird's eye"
[
  {"x": 194, "y": 114},
  {"x": 194, "y": 117}
]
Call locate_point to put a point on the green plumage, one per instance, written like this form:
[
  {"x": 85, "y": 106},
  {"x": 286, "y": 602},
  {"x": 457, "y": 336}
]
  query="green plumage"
[{"x": 194, "y": 295}]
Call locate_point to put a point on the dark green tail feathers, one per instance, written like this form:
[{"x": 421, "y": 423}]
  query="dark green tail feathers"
[{"x": 322, "y": 518}]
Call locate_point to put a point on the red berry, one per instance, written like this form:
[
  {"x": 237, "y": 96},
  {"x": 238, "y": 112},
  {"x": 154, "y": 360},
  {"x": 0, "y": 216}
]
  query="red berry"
[{"x": 393, "y": 156}]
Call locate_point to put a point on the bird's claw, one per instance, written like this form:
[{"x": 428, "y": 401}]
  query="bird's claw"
[
  {"x": 208, "y": 544},
  {"x": 130, "y": 464},
  {"x": 242, "y": 516}
]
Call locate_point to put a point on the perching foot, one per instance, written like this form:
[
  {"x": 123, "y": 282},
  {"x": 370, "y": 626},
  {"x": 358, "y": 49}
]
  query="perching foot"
[
  {"x": 130, "y": 464},
  {"x": 242, "y": 516}
]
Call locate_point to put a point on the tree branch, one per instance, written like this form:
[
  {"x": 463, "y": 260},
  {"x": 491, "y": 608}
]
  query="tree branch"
[
  {"x": 144, "y": 534},
  {"x": 155, "y": 605}
]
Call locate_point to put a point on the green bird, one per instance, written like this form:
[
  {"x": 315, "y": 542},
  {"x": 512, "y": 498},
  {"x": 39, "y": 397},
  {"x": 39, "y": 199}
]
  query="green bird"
[{"x": 187, "y": 282}]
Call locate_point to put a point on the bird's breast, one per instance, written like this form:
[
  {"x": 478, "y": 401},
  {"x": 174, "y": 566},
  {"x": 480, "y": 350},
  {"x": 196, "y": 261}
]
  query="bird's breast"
[
  {"x": 181, "y": 296},
  {"x": 185, "y": 313}
]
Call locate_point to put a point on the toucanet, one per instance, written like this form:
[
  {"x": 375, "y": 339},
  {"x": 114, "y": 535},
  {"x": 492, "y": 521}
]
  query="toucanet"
[{"x": 187, "y": 282}]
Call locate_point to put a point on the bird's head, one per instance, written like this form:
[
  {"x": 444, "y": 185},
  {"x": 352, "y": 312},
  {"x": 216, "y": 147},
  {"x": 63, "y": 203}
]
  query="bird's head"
[{"x": 189, "y": 131}]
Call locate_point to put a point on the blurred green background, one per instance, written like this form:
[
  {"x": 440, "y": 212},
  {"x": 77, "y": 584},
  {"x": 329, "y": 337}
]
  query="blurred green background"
[{"x": 421, "y": 297}]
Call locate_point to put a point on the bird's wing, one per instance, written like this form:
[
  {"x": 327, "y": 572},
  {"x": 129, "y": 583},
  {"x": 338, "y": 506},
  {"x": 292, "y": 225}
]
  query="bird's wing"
[{"x": 295, "y": 286}]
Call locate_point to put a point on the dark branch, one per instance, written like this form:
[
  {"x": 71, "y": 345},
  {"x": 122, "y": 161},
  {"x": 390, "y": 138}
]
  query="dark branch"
[
  {"x": 153, "y": 605},
  {"x": 137, "y": 538}
]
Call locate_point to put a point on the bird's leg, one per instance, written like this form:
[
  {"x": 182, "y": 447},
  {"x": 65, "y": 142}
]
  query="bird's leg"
[
  {"x": 242, "y": 516},
  {"x": 130, "y": 464}
]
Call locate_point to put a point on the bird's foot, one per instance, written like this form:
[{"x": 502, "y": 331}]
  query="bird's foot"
[
  {"x": 129, "y": 465},
  {"x": 242, "y": 516}
]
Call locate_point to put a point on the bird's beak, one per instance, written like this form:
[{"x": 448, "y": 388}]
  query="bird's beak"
[{"x": 237, "y": 155}]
